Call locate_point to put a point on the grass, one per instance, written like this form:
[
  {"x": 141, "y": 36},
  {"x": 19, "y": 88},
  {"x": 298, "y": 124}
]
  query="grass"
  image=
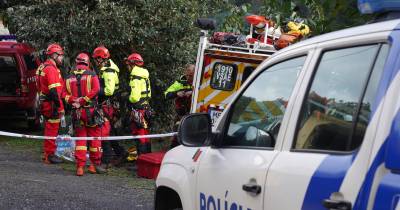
[
  {"x": 35, "y": 147},
  {"x": 22, "y": 144}
]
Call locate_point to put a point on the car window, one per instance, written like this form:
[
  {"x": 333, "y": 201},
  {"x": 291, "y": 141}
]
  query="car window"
[
  {"x": 9, "y": 76},
  {"x": 256, "y": 115},
  {"x": 335, "y": 106},
  {"x": 368, "y": 105},
  {"x": 7, "y": 61},
  {"x": 30, "y": 62},
  {"x": 8, "y": 64}
]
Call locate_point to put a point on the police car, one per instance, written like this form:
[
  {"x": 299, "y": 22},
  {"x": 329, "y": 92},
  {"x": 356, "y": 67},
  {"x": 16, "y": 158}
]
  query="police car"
[{"x": 328, "y": 136}]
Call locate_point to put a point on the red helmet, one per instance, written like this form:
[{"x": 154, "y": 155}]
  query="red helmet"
[
  {"x": 82, "y": 58},
  {"x": 136, "y": 59},
  {"x": 54, "y": 48},
  {"x": 101, "y": 52}
]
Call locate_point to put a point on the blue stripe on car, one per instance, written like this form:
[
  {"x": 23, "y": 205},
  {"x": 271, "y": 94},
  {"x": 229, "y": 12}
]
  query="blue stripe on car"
[{"x": 326, "y": 179}]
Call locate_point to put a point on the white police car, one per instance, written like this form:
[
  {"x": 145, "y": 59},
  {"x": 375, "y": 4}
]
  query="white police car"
[{"x": 317, "y": 126}]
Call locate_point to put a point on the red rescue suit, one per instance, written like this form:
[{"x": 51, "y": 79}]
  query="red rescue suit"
[
  {"x": 50, "y": 86},
  {"x": 82, "y": 87}
]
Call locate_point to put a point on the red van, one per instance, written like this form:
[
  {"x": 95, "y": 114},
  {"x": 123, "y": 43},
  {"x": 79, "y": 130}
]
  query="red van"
[{"x": 18, "y": 92}]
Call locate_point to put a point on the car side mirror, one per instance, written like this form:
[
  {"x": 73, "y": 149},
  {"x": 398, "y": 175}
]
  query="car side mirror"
[{"x": 195, "y": 130}]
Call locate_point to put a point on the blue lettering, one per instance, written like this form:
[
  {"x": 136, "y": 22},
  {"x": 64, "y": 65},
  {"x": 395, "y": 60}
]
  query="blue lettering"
[
  {"x": 210, "y": 201},
  {"x": 233, "y": 206},
  {"x": 202, "y": 201},
  {"x": 226, "y": 202}
]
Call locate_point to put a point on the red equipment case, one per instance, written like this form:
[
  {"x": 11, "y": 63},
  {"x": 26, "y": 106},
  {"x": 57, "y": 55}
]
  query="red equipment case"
[{"x": 148, "y": 165}]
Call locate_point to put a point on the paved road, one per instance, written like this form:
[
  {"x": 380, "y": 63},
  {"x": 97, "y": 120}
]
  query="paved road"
[{"x": 26, "y": 183}]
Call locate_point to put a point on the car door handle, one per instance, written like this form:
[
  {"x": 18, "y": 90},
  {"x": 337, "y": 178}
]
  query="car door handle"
[
  {"x": 336, "y": 204},
  {"x": 252, "y": 187}
]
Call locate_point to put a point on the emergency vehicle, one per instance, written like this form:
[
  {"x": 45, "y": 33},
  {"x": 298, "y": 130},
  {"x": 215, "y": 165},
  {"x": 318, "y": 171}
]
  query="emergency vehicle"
[
  {"x": 222, "y": 68},
  {"x": 18, "y": 94},
  {"x": 334, "y": 144}
]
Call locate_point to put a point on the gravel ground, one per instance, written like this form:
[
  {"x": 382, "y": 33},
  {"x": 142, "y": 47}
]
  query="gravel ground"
[{"x": 27, "y": 183}]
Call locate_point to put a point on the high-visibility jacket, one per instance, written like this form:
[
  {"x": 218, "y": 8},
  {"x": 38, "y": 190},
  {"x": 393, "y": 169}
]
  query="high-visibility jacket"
[
  {"x": 50, "y": 85},
  {"x": 109, "y": 81},
  {"x": 182, "y": 104},
  {"x": 140, "y": 86},
  {"x": 179, "y": 85},
  {"x": 84, "y": 84}
]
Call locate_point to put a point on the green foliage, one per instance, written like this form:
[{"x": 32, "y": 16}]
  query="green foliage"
[
  {"x": 321, "y": 15},
  {"x": 161, "y": 31},
  {"x": 232, "y": 19},
  {"x": 324, "y": 16}
]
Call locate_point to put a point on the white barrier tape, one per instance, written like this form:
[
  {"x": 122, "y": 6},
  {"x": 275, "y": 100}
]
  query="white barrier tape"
[{"x": 110, "y": 138}]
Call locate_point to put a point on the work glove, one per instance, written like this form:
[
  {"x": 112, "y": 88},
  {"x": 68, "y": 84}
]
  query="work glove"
[
  {"x": 180, "y": 94},
  {"x": 76, "y": 105}
]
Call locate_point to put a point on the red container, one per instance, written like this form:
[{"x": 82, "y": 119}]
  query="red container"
[{"x": 148, "y": 165}]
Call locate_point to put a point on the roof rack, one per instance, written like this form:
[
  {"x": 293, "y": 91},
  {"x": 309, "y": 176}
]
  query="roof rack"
[{"x": 250, "y": 49}]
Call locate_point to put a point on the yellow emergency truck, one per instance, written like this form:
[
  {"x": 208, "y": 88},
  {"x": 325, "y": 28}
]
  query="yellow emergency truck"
[{"x": 221, "y": 69}]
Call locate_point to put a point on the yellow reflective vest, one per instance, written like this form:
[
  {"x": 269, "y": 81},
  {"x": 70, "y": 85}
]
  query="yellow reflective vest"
[
  {"x": 140, "y": 86},
  {"x": 178, "y": 85},
  {"x": 109, "y": 81}
]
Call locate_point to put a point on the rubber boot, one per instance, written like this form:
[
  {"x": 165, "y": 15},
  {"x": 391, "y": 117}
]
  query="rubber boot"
[
  {"x": 120, "y": 159},
  {"x": 94, "y": 169},
  {"x": 52, "y": 159},
  {"x": 79, "y": 171}
]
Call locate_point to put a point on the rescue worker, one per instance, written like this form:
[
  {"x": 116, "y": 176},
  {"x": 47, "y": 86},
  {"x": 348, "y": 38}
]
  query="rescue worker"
[
  {"x": 181, "y": 92},
  {"x": 109, "y": 85},
  {"x": 50, "y": 85},
  {"x": 82, "y": 88},
  {"x": 139, "y": 100}
]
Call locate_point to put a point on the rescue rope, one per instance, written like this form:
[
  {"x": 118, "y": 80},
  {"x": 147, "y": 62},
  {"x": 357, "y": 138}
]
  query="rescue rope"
[{"x": 67, "y": 137}]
